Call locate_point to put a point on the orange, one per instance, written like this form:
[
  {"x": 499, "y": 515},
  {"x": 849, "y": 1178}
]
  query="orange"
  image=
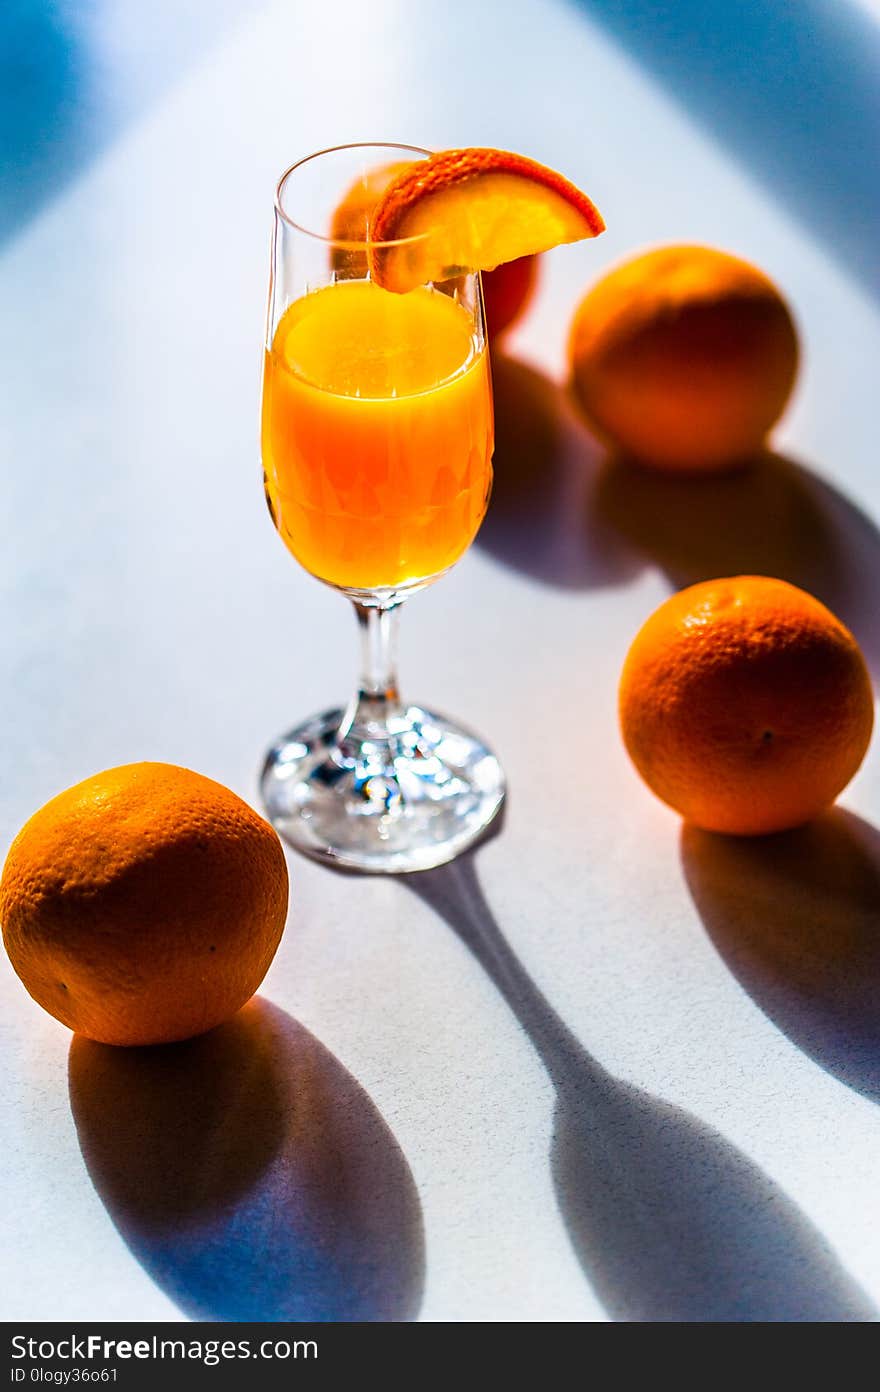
[
  {"x": 507, "y": 291},
  {"x": 143, "y": 905},
  {"x": 470, "y": 210},
  {"x": 745, "y": 705},
  {"x": 683, "y": 357},
  {"x": 351, "y": 219}
]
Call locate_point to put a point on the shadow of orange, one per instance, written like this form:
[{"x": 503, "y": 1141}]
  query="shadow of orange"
[
  {"x": 251, "y": 1175},
  {"x": 796, "y": 918},
  {"x": 565, "y": 513},
  {"x": 772, "y": 517}
]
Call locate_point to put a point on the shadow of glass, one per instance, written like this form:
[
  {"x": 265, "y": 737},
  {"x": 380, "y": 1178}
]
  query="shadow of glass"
[
  {"x": 772, "y": 517},
  {"x": 796, "y": 918},
  {"x": 670, "y": 1222},
  {"x": 539, "y": 518},
  {"x": 251, "y": 1175},
  {"x": 790, "y": 89}
]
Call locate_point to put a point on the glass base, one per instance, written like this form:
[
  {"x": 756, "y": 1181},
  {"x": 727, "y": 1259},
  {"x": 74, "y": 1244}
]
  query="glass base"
[{"x": 407, "y": 795}]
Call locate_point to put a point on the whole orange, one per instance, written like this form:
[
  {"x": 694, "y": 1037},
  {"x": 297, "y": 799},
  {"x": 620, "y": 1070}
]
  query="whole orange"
[
  {"x": 507, "y": 291},
  {"x": 683, "y": 357},
  {"x": 745, "y": 705},
  {"x": 143, "y": 905},
  {"x": 351, "y": 219}
]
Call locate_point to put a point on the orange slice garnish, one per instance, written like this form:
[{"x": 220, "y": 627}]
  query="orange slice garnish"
[{"x": 470, "y": 210}]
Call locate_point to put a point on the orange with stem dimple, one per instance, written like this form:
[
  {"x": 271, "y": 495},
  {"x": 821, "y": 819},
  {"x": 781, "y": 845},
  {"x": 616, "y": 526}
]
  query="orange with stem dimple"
[{"x": 745, "y": 705}]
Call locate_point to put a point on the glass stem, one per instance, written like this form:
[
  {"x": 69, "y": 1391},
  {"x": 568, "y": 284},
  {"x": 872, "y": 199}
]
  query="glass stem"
[{"x": 377, "y": 698}]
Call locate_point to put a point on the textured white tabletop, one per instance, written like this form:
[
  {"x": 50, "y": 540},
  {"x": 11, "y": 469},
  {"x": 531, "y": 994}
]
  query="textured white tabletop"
[{"x": 664, "y": 1105}]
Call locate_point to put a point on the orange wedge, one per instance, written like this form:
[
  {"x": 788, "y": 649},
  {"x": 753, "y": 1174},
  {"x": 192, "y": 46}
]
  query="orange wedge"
[{"x": 471, "y": 210}]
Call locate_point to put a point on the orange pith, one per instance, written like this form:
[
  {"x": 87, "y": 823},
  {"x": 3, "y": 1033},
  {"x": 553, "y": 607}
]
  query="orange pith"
[
  {"x": 471, "y": 210},
  {"x": 143, "y": 905},
  {"x": 745, "y": 705}
]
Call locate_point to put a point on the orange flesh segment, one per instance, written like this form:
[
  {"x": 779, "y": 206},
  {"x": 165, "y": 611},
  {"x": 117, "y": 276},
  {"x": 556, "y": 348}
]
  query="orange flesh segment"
[{"x": 472, "y": 210}]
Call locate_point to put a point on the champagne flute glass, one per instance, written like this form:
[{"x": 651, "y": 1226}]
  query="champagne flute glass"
[{"x": 377, "y": 436}]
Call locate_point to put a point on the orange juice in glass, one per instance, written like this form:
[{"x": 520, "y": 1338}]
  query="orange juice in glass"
[
  {"x": 377, "y": 434},
  {"x": 376, "y": 446}
]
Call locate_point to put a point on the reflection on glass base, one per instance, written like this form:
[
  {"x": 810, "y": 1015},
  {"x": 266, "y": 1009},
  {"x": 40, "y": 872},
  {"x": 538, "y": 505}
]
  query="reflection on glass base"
[{"x": 403, "y": 796}]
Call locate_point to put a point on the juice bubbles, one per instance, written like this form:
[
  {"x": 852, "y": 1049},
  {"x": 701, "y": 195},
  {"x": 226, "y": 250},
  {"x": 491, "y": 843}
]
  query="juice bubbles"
[{"x": 376, "y": 434}]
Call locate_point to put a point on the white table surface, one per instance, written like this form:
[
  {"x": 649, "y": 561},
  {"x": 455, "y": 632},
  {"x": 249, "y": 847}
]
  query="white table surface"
[{"x": 385, "y": 1138}]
